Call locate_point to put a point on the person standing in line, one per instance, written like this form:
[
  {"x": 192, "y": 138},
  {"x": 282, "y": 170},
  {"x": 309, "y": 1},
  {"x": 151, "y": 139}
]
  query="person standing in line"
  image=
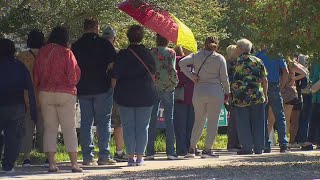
[
  {"x": 249, "y": 86},
  {"x": 110, "y": 35},
  {"x": 135, "y": 93},
  {"x": 166, "y": 82},
  {"x": 34, "y": 42},
  {"x": 14, "y": 79},
  {"x": 56, "y": 75},
  {"x": 94, "y": 54},
  {"x": 233, "y": 141},
  {"x": 210, "y": 92},
  {"x": 290, "y": 96},
  {"x": 305, "y": 108},
  {"x": 314, "y": 126},
  {"x": 276, "y": 82},
  {"x": 183, "y": 118}
]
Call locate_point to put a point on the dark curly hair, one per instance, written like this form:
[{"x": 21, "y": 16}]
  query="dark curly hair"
[
  {"x": 7, "y": 49},
  {"x": 135, "y": 34},
  {"x": 35, "y": 39},
  {"x": 59, "y": 35}
]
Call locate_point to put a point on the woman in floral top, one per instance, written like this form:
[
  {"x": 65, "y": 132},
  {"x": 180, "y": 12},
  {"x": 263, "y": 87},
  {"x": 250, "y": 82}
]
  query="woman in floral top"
[
  {"x": 249, "y": 87},
  {"x": 166, "y": 82}
]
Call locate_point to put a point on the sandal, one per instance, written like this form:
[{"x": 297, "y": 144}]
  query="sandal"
[
  {"x": 76, "y": 169},
  {"x": 52, "y": 170}
]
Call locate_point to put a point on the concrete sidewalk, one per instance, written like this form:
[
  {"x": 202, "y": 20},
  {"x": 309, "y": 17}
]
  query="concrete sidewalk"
[{"x": 225, "y": 159}]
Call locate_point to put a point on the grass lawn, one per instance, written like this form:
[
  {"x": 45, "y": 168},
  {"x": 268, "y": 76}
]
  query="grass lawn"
[{"x": 160, "y": 146}]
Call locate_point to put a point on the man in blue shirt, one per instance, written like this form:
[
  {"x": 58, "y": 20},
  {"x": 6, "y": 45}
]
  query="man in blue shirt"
[
  {"x": 277, "y": 76},
  {"x": 14, "y": 79}
]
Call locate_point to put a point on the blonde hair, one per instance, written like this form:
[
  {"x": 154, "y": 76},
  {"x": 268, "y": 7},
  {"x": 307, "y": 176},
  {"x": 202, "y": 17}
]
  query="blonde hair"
[
  {"x": 230, "y": 50},
  {"x": 179, "y": 51},
  {"x": 245, "y": 45}
]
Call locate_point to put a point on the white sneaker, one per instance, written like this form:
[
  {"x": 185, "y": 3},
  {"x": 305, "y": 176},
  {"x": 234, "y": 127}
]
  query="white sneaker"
[
  {"x": 190, "y": 155},
  {"x": 170, "y": 157},
  {"x": 151, "y": 157},
  {"x": 208, "y": 154}
]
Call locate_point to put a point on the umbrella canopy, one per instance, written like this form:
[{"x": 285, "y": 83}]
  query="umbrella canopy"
[{"x": 161, "y": 22}]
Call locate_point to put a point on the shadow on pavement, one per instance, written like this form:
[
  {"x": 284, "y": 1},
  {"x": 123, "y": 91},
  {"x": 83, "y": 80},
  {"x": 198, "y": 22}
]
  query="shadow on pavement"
[
  {"x": 273, "y": 167},
  {"x": 63, "y": 169}
]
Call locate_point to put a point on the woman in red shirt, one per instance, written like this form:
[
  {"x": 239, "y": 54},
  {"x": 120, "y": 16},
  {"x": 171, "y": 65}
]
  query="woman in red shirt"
[{"x": 56, "y": 74}]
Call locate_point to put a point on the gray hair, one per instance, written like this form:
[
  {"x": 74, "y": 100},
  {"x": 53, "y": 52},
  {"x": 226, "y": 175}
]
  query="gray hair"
[{"x": 245, "y": 45}]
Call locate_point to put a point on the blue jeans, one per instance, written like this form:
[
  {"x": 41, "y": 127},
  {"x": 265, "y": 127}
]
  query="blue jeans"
[
  {"x": 95, "y": 108},
  {"x": 11, "y": 123},
  {"x": 167, "y": 100},
  {"x": 250, "y": 126},
  {"x": 135, "y": 124},
  {"x": 276, "y": 102},
  {"x": 183, "y": 124},
  {"x": 305, "y": 117}
]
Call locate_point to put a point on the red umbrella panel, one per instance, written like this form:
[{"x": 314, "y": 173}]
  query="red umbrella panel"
[{"x": 160, "y": 21}]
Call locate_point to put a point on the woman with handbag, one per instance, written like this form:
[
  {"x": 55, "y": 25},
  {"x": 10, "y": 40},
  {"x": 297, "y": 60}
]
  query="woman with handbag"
[
  {"x": 210, "y": 92},
  {"x": 135, "y": 93},
  {"x": 56, "y": 74}
]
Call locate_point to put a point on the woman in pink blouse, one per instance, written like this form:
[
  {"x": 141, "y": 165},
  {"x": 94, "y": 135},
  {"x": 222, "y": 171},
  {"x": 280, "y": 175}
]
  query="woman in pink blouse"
[{"x": 56, "y": 74}]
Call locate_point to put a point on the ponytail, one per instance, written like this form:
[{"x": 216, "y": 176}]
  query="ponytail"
[{"x": 211, "y": 44}]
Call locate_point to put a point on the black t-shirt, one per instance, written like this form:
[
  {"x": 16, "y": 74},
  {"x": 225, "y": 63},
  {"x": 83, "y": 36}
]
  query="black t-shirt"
[{"x": 93, "y": 55}]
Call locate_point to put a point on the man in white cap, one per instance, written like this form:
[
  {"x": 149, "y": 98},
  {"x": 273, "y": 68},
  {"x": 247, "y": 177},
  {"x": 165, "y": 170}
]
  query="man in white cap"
[{"x": 110, "y": 34}]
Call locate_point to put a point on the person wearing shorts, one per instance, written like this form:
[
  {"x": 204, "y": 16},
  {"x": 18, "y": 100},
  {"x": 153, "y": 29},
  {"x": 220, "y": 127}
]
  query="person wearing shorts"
[{"x": 109, "y": 34}]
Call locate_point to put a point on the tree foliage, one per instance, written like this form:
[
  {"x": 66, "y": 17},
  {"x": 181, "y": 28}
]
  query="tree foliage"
[
  {"x": 18, "y": 17},
  {"x": 286, "y": 25}
]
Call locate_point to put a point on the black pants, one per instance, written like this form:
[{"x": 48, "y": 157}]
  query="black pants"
[
  {"x": 11, "y": 119},
  {"x": 233, "y": 141},
  {"x": 314, "y": 126}
]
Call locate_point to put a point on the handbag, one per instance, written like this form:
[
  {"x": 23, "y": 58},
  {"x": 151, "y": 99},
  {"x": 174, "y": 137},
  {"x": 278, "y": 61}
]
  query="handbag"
[{"x": 153, "y": 77}]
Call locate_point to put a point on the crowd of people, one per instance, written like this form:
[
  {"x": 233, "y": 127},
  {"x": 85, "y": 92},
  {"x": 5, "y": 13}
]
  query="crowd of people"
[{"x": 123, "y": 89}]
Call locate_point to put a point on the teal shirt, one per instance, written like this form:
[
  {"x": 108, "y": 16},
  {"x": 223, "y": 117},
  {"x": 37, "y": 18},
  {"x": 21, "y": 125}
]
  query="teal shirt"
[
  {"x": 166, "y": 75},
  {"x": 314, "y": 77}
]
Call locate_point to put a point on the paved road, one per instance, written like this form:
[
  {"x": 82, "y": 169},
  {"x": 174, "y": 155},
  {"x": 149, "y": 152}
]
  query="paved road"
[{"x": 294, "y": 165}]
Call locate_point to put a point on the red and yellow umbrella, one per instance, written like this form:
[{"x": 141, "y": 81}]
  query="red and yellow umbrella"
[{"x": 160, "y": 21}]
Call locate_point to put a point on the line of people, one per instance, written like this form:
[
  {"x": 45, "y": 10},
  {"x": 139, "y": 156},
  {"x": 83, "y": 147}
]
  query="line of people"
[
  {"x": 290, "y": 106},
  {"x": 123, "y": 89}
]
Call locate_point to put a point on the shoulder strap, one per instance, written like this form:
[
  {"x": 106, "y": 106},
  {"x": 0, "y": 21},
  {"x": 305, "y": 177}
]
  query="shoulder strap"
[
  {"x": 203, "y": 63},
  {"x": 34, "y": 56},
  {"x": 136, "y": 55}
]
